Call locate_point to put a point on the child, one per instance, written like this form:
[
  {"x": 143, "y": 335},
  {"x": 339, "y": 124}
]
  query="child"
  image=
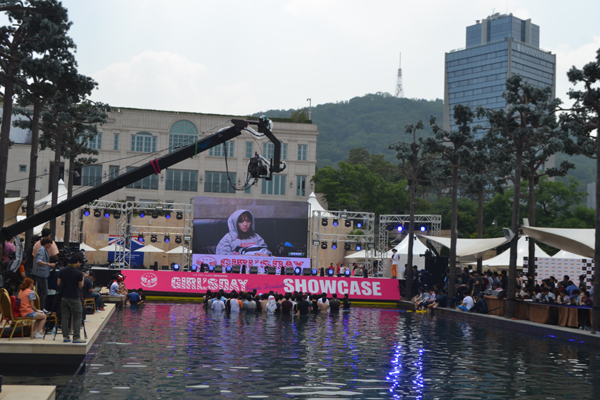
[{"x": 241, "y": 238}]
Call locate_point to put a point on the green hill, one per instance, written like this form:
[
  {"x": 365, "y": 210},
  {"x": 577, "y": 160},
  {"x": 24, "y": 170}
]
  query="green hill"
[{"x": 372, "y": 121}]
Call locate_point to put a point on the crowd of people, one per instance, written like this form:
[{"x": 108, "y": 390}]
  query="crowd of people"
[{"x": 297, "y": 303}]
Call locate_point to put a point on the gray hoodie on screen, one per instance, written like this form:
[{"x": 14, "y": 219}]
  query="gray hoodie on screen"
[{"x": 231, "y": 243}]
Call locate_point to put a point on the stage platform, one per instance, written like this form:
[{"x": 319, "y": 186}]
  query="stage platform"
[
  {"x": 190, "y": 284},
  {"x": 29, "y": 392},
  {"x": 25, "y": 351}
]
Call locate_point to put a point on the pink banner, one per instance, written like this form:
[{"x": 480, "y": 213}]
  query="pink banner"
[
  {"x": 196, "y": 282},
  {"x": 251, "y": 261}
]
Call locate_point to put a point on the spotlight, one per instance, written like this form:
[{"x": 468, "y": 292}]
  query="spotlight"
[
  {"x": 106, "y": 214},
  {"x": 97, "y": 213},
  {"x": 314, "y": 272},
  {"x": 316, "y": 242},
  {"x": 348, "y": 223},
  {"x": 117, "y": 215},
  {"x": 358, "y": 246},
  {"x": 86, "y": 211},
  {"x": 324, "y": 245},
  {"x": 168, "y": 215},
  {"x": 334, "y": 245},
  {"x": 175, "y": 266},
  {"x": 423, "y": 228},
  {"x": 400, "y": 228},
  {"x": 297, "y": 271},
  {"x": 142, "y": 214},
  {"x": 347, "y": 273},
  {"x": 178, "y": 239},
  {"x": 335, "y": 222},
  {"x": 179, "y": 215},
  {"x": 358, "y": 224},
  {"x": 324, "y": 221},
  {"x": 187, "y": 238},
  {"x": 228, "y": 269},
  {"x": 153, "y": 238},
  {"x": 154, "y": 214},
  {"x": 167, "y": 239},
  {"x": 347, "y": 246},
  {"x": 194, "y": 268},
  {"x": 330, "y": 271},
  {"x": 141, "y": 238},
  {"x": 211, "y": 268}
]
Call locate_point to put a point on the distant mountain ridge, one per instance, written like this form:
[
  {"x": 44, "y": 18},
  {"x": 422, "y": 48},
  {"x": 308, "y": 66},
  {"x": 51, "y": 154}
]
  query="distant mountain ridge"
[{"x": 372, "y": 121}]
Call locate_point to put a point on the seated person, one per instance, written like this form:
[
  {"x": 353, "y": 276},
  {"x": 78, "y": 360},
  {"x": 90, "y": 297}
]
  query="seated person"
[
  {"x": 441, "y": 300},
  {"x": 564, "y": 297},
  {"x": 481, "y": 305},
  {"x": 116, "y": 289},
  {"x": 547, "y": 296},
  {"x": 88, "y": 291},
  {"x": 467, "y": 303},
  {"x": 430, "y": 300},
  {"x": 27, "y": 308}
]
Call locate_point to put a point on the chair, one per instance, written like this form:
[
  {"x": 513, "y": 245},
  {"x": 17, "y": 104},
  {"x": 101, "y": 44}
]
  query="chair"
[
  {"x": 91, "y": 301},
  {"x": 51, "y": 317},
  {"x": 8, "y": 317}
]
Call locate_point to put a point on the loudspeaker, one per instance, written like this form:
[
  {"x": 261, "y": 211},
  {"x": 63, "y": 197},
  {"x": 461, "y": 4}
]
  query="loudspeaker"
[
  {"x": 306, "y": 271},
  {"x": 165, "y": 268},
  {"x": 218, "y": 269},
  {"x": 272, "y": 270},
  {"x": 155, "y": 266},
  {"x": 289, "y": 271},
  {"x": 253, "y": 270},
  {"x": 235, "y": 269},
  {"x": 203, "y": 267}
]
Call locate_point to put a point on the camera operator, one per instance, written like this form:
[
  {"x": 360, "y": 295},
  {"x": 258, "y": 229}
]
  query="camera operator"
[
  {"x": 70, "y": 280},
  {"x": 88, "y": 291},
  {"x": 41, "y": 270}
]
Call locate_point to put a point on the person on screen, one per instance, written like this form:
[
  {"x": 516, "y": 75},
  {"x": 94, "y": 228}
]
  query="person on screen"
[{"x": 241, "y": 238}]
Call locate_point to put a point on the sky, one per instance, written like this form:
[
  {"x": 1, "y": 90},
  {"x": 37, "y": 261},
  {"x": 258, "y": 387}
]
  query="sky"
[{"x": 238, "y": 57}]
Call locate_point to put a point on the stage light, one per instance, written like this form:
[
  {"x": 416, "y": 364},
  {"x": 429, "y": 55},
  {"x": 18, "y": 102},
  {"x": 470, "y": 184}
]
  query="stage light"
[
  {"x": 117, "y": 215},
  {"x": 324, "y": 245},
  {"x": 358, "y": 246},
  {"x": 423, "y": 228},
  {"x": 344, "y": 215},
  {"x": 358, "y": 224},
  {"x": 167, "y": 239},
  {"x": 187, "y": 238},
  {"x": 316, "y": 242},
  {"x": 235, "y": 269},
  {"x": 86, "y": 211},
  {"x": 178, "y": 239},
  {"x": 106, "y": 214},
  {"x": 315, "y": 272},
  {"x": 228, "y": 269},
  {"x": 97, "y": 213},
  {"x": 154, "y": 214},
  {"x": 271, "y": 270},
  {"x": 254, "y": 270},
  {"x": 347, "y": 246},
  {"x": 335, "y": 222},
  {"x": 347, "y": 273},
  {"x": 306, "y": 272},
  {"x": 168, "y": 215},
  {"x": 194, "y": 268},
  {"x": 324, "y": 221},
  {"x": 175, "y": 266},
  {"x": 348, "y": 223},
  {"x": 330, "y": 271},
  {"x": 141, "y": 238},
  {"x": 297, "y": 271},
  {"x": 179, "y": 215},
  {"x": 142, "y": 214},
  {"x": 153, "y": 238},
  {"x": 211, "y": 268},
  {"x": 334, "y": 245},
  {"x": 400, "y": 228}
]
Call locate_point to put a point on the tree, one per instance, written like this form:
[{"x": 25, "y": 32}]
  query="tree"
[
  {"x": 455, "y": 150},
  {"x": 413, "y": 164},
  {"x": 583, "y": 121},
  {"x": 513, "y": 131}
]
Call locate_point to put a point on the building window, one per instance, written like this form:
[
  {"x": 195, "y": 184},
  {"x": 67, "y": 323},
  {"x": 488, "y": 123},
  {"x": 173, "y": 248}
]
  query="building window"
[
  {"x": 183, "y": 180},
  {"x": 249, "y": 150},
  {"x": 22, "y": 168},
  {"x": 269, "y": 151},
  {"x": 302, "y": 150},
  {"x": 218, "y": 151},
  {"x": 149, "y": 182},
  {"x": 13, "y": 193},
  {"x": 143, "y": 142},
  {"x": 276, "y": 186},
  {"x": 116, "y": 143},
  {"x": 301, "y": 185},
  {"x": 216, "y": 182},
  {"x": 182, "y": 133},
  {"x": 93, "y": 143},
  {"x": 91, "y": 175},
  {"x": 113, "y": 171}
]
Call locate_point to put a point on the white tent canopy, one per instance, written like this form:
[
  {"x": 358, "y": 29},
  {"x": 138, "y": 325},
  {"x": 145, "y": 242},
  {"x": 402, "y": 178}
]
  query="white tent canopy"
[
  {"x": 577, "y": 241},
  {"x": 47, "y": 201},
  {"x": 85, "y": 247},
  {"x": 567, "y": 254},
  {"x": 149, "y": 249},
  {"x": 469, "y": 247},
  {"x": 315, "y": 206},
  {"x": 12, "y": 206},
  {"x": 503, "y": 259},
  {"x": 179, "y": 250},
  {"x": 402, "y": 247},
  {"x": 111, "y": 247},
  {"x": 361, "y": 255}
]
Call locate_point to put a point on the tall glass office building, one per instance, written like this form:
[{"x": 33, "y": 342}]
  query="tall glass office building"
[{"x": 497, "y": 47}]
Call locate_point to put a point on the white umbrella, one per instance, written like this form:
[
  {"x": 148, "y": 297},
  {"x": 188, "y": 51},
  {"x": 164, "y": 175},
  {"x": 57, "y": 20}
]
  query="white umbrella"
[
  {"x": 111, "y": 247},
  {"x": 179, "y": 250},
  {"x": 85, "y": 247},
  {"x": 150, "y": 249}
]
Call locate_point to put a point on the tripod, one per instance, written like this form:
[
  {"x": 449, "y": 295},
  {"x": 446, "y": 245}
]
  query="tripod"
[{"x": 83, "y": 315}]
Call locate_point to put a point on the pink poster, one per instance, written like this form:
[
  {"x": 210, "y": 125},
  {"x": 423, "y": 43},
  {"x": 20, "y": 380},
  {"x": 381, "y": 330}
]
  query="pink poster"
[
  {"x": 196, "y": 282},
  {"x": 251, "y": 261}
]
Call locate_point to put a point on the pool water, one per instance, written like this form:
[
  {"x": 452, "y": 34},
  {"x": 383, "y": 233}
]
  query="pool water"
[{"x": 182, "y": 351}]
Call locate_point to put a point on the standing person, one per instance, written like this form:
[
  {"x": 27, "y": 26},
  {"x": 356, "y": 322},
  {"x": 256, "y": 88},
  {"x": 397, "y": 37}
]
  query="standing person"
[
  {"x": 9, "y": 250},
  {"x": 70, "y": 279},
  {"x": 27, "y": 308},
  {"x": 337, "y": 269},
  {"x": 217, "y": 305},
  {"x": 346, "y": 302},
  {"x": 303, "y": 306},
  {"x": 365, "y": 271},
  {"x": 334, "y": 304},
  {"x": 395, "y": 261},
  {"x": 242, "y": 238},
  {"x": 41, "y": 270},
  {"x": 46, "y": 233}
]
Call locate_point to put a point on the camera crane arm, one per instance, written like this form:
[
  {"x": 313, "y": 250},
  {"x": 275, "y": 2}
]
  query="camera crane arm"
[{"x": 155, "y": 167}]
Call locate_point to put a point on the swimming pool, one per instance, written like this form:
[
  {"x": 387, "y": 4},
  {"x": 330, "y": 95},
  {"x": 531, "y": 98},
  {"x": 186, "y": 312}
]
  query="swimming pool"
[{"x": 182, "y": 351}]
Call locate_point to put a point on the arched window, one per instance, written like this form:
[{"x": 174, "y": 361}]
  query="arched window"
[
  {"x": 182, "y": 133},
  {"x": 143, "y": 142}
]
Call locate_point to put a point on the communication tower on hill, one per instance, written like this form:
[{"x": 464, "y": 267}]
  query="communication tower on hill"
[{"x": 399, "y": 87}]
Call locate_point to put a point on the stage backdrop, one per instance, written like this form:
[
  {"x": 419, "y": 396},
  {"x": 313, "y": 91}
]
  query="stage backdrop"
[
  {"x": 559, "y": 267},
  {"x": 187, "y": 282},
  {"x": 250, "y": 231}
]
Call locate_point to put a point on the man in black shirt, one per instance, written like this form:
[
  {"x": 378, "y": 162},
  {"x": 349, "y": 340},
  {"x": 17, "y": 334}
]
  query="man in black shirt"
[
  {"x": 303, "y": 306},
  {"x": 70, "y": 279},
  {"x": 287, "y": 305},
  {"x": 334, "y": 304}
]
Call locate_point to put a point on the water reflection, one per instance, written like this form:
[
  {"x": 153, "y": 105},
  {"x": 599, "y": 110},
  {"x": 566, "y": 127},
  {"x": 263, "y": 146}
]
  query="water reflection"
[{"x": 183, "y": 351}]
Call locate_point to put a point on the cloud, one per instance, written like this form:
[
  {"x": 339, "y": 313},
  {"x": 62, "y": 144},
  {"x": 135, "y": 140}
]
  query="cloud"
[{"x": 567, "y": 57}]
